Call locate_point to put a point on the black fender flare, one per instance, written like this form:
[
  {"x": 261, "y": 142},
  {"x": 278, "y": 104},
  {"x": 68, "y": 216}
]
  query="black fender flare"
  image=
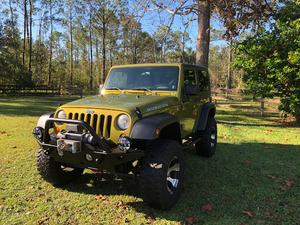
[
  {"x": 145, "y": 128},
  {"x": 204, "y": 112},
  {"x": 42, "y": 120}
]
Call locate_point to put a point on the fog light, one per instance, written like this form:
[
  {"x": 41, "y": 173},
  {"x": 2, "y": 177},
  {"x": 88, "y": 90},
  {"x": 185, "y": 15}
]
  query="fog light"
[
  {"x": 124, "y": 143},
  {"x": 88, "y": 157},
  {"x": 38, "y": 133}
]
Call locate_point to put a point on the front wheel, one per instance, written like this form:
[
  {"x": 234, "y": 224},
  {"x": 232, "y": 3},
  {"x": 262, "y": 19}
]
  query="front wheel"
[
  {"x": 162, "y": 174},
  {"x": 55, "y": 172}
]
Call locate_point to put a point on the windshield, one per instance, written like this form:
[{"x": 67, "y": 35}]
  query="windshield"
[{"x": 164, "y": 78}]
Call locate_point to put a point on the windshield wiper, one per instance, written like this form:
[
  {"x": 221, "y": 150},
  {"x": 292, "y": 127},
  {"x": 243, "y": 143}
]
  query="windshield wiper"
[
  {"x": 143, "y": 89},
  {"x": 114, "y": 88}
]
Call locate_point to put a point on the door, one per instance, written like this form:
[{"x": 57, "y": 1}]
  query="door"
[{"x": 189, "y": 109}]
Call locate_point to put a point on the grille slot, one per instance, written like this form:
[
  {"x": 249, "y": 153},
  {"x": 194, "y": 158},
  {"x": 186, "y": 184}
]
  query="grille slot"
[{"x": 99, "y": 122}]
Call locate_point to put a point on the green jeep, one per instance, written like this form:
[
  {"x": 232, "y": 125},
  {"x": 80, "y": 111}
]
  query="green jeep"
[{"x": 139, "y": 124}]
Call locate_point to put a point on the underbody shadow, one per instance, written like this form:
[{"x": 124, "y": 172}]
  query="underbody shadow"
[{"x": 232, "y": 181}]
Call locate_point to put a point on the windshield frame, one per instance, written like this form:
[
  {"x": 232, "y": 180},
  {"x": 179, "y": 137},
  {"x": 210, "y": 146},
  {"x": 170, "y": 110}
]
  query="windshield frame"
[{"x": 150, "y": 90}]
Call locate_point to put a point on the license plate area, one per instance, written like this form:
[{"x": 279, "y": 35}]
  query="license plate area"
[{"x": 65, "y": 145}]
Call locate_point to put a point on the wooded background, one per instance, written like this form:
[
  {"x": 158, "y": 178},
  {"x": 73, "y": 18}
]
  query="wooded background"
[{"x": 63, "y": 44}]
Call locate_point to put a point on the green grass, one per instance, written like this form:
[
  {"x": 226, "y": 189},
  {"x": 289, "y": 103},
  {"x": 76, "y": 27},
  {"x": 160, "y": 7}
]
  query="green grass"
[{"x": 256, "y": 169}]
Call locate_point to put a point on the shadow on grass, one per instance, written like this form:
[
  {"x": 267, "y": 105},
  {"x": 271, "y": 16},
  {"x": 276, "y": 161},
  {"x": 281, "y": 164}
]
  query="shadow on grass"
[
  {"x": 253, "y": 124},
  {"x": 240, "y": 177},
  {"x": 239, "y": 117},
  {"x": 30, "y": 106}
]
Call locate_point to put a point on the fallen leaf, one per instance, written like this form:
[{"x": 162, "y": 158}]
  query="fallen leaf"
[
  {"x": 248, "y": 213},
  {"x": 101, "y": 198},
  {"x": 248, "y": 162},
  {"x": 43, "y": 221},
  {"x": 207, "y": 208},
  {"x": 287, "y": 185},
  {"x": 121, "y": 204},
  {"x": 271, "y": 177},
  {"x": 190, "y": 220}
]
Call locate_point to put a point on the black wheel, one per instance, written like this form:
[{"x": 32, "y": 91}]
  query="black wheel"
[
  {"x": 53, "y": 171},
  {"x": 162, "y": 174},
  {"x": 207, "y": 145}
]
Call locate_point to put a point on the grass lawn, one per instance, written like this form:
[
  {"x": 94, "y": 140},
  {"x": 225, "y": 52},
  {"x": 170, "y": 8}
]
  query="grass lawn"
[{"x": 254, "y": 178}]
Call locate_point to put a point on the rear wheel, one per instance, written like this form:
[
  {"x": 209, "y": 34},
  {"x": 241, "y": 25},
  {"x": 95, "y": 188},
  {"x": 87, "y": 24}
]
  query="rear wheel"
[
  {"x": 207, "y": 145},
  {"x": 55, "y": 172},
  {"x": 162, "y": 174}
]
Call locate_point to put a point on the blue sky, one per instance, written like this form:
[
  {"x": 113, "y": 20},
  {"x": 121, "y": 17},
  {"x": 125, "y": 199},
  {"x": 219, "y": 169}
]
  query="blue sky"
[{"x": 150, "y": 22}]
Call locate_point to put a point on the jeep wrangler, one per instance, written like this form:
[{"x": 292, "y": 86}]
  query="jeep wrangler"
[{"x": 139, "y": 125}]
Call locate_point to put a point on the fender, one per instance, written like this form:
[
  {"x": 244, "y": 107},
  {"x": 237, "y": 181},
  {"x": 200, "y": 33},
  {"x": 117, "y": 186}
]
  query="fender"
[
  {"x": 42, "y": 120},
  {"x": 145, "y": 128},
  {"x": 206, "y": 110}
]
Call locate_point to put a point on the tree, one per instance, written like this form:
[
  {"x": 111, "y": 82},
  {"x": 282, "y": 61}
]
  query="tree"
[
  {"x": 271, "y": 60},
  {"x": 235, "y": 14},
  {"x": 105, "y": 13},
  {"x": 54, "y": 9},
  {"x": 12, "y": 70}
]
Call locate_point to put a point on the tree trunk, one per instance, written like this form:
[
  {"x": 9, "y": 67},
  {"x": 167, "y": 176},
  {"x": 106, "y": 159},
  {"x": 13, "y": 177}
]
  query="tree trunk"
[
  {"x": 50, "y": 47},
  {"x": 229, "y": 72},
  {"x": 30, "y": 39},
  {"x": 297, "y": 117},
  {"x": 11, "y": 13},
  {"x": 24, "y": 31},
  {"x": 262, "y": 106},
  {"x": 103, "y": 49},
  {"x": 154, "y": 49},
  {"x": 203, "y": 37},
  {"x": 71, "y": 43},
  {"x": 91, "y": 52},
  {"x": 39, "y": 61},
  {"x": 98, "y": 64},
  {"x": 110, "y": 54}
]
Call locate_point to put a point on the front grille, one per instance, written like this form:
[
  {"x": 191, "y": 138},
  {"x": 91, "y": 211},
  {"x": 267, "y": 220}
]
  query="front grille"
[{"x": 99, "y": 122}]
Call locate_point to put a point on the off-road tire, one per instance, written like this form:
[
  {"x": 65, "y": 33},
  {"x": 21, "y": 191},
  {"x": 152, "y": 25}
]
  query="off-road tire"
[
  {"x": 208, "y": 143},
  {"x": 160, "y": 156},
  {"x": 51, "y": 170}
]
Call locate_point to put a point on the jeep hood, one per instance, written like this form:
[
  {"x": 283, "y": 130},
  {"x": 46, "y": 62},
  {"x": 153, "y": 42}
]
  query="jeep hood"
[{"x": 125, "y": 102}]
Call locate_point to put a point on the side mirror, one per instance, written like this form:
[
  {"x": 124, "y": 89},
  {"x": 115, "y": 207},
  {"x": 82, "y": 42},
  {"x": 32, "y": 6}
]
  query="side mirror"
[
  {"x": 100, "y": 88},
  {"x": 191, "y": 89}
]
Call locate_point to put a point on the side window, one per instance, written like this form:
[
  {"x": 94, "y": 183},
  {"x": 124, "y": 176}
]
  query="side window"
[
  {"x": 189, "y": 76},
  {"x": 203, "y": 80}
]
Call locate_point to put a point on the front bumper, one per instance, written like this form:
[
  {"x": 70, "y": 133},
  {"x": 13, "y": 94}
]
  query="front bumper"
[{"x": 84, "y": 150}]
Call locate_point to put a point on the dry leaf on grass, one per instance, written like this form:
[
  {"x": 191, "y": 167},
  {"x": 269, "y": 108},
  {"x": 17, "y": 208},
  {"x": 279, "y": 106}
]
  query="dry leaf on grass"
[
  {"x": 190, "y": 220},
  {"x": 121, "y": 204},
  {"x": 247, "y": 162},
  {"x": 271, "y": 177},
  {"x": 248, "y": 213},
  {"x": 101, "y": 198},
  {"x": 43, "y": 221},
  {"x": 207, "y": 208},
  {"x": 287, "y": 185}
]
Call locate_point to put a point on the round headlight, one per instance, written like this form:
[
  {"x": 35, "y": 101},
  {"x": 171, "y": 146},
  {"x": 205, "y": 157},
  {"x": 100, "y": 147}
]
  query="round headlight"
[
  {"x": 123, "y": 121},
  {"x": 61, "y": 115}
]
